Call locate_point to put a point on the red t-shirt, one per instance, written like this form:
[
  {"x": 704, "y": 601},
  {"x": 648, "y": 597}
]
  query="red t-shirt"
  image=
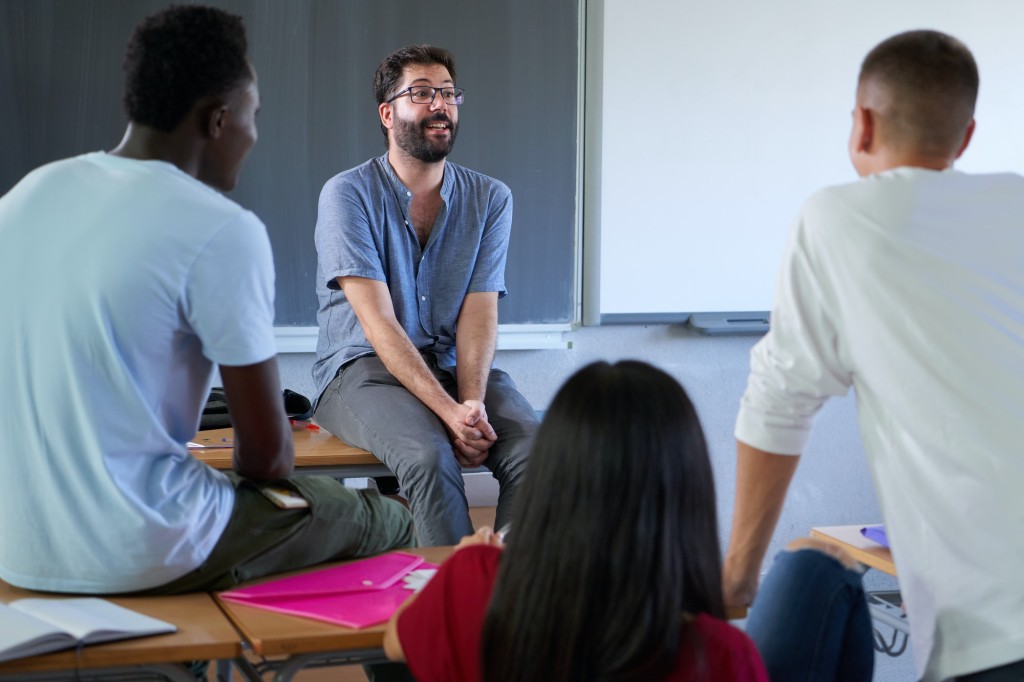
[{"x": 440, "y": 631}]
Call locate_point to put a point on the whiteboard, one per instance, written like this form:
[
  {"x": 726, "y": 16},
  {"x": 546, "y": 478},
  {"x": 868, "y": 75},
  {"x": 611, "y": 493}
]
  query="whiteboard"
[{"x": 710, "y": 123}]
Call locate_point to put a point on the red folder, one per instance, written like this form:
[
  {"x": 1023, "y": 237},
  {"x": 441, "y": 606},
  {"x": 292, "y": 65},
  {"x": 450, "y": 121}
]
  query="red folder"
[{"x": 356, "y": 594}]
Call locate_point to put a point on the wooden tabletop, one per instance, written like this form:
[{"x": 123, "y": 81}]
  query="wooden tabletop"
[
  {"x": 204, "y": 633},
  {"x": 868, "y": 552},
  {"x": 313, "y": 448},
  {"x": 271, "y": 634}
]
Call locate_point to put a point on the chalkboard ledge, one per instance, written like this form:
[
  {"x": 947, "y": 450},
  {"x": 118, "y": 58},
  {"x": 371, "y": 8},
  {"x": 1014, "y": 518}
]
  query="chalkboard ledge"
[
  {"x": 726, "y": 324},
  {"x": 510, "y": 337}
]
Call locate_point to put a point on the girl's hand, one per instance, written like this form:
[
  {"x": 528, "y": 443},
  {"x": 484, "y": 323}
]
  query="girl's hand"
[{"x": 484, "y": 536}]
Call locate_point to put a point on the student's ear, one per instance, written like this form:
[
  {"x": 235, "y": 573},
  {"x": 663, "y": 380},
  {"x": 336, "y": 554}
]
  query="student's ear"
[
  {"x": 862, "y": 136},
  {"x": 967, "y": 139},
  {"x": 387, "y": 117},
  {"x": 863, "y": 129},
  {"x": 214, "y": 117}
]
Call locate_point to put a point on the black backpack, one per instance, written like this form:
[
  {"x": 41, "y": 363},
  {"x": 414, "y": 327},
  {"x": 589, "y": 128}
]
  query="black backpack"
[{"x": 216, "y": 415}]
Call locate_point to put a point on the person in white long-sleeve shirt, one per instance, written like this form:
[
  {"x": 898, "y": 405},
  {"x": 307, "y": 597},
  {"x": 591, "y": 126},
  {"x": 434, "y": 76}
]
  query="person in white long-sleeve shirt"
[{"x": 907, "y": 285}]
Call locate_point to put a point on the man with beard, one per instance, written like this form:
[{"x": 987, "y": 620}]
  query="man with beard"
[{"x": 411, "y": 259}]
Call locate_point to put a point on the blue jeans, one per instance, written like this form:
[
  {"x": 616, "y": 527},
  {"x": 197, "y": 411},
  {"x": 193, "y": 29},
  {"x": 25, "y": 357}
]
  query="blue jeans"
[{"x": 810, "y": 620}]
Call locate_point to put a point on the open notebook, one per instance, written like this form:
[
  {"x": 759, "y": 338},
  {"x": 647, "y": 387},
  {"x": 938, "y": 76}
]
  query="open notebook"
[
  {"x": 356, "y": 594},
  {"x": 29, "y": 627}
]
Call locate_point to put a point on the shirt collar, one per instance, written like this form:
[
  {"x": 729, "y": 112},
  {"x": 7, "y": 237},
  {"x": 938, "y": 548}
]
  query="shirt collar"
[{"x": 447, "y": 181}]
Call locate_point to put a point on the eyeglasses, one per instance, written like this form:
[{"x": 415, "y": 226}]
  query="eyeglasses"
[{"x": 424, "y": 94}]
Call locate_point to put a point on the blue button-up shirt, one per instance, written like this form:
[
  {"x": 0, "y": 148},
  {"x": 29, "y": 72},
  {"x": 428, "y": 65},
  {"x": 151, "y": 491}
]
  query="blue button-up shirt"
[{"x": 363, "y": 230}]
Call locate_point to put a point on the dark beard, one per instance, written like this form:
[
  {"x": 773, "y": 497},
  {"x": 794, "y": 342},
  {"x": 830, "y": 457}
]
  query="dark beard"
[{"x": 411, "y": 138}]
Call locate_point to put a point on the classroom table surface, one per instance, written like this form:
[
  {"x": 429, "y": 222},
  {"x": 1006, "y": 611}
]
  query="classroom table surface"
[
  {"x": 270, "y": 633},
  {"x": 204, "y": 633},
  {"x": 313, "y": 448},
  {"x": 317, "y": 451},
  {"x": 868, "y": 552}
]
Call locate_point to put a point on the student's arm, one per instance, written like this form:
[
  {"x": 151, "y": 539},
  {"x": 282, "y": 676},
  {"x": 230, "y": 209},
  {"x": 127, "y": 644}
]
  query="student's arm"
[
  {"x": 476, "y": 337},
  {"x": 484, "y": 535},
  {"x": 371, "y": 302},
  {"x": 263, "y": 440},
  {"x": 393, "y": 645},
  {"x": 762, "y": 479}
]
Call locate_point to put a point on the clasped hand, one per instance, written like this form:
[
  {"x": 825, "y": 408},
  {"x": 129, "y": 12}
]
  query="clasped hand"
[{"x": 472, "y": 435}]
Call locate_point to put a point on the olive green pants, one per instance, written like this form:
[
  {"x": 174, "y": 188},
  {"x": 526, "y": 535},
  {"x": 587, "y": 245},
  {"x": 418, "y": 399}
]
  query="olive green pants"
[{"x": 261, "y": 538}]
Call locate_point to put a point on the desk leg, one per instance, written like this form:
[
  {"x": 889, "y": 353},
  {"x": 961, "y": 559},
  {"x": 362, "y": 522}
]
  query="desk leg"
[
  {"x": 885, "y": 612},
  {"x": 247, "y": 670},
  {"x": 289, "y": 668},
  {"x": 223, "y": 673}
]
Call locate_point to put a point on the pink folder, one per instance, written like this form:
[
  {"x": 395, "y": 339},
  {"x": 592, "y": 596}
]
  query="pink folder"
[{"x": 356, "y": 594}]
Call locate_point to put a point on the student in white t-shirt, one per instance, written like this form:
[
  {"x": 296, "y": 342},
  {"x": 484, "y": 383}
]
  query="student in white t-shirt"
[{"x": 124, "y": 277}]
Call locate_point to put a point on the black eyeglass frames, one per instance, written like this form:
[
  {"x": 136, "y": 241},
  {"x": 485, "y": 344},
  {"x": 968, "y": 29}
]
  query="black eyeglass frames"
[{"x": 424, "y": 94}]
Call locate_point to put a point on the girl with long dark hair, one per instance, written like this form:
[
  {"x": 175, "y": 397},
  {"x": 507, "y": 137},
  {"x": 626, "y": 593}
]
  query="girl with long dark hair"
[{"x": 612, "y": 569}]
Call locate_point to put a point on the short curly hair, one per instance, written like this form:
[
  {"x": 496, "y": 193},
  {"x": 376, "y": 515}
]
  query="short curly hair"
[{"x": 178, "y": 56}]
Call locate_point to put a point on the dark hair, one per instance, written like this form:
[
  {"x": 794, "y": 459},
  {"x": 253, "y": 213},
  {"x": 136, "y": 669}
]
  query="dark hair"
[
  {"x": 614, "y": 535},
  {"x": 178, "y": 56},
  {"x": 931, "y": 82},
  {"x": 389, "y": 72}
]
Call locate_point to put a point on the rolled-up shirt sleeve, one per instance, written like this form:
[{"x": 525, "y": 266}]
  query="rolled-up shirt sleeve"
[{"x": 797, "y": 366}]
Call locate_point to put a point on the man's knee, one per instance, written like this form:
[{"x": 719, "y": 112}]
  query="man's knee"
[
  {"x": 827, "y": 548},
  {"x": 423, "y": 460}
]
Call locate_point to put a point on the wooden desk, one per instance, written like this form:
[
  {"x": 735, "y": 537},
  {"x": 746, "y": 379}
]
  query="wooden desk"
[
  {"x": 316, "y": 452},
  {"x": 308, "y": 642},
  {"x": 311, "y": 642},
  {"x": 868, "y": 552},
  {"x": 204, "y": 633},
  {"x": 884, "y": 606}
]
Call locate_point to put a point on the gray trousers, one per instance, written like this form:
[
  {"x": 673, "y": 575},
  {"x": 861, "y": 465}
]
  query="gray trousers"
[{"x": 367, "y": 407}]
